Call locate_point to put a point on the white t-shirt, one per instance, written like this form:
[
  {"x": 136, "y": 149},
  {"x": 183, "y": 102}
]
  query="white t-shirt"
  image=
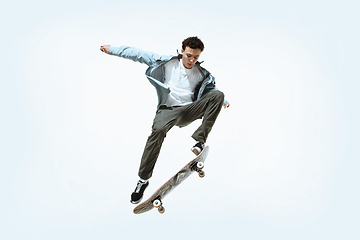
[{"x": 181, "y": 81}]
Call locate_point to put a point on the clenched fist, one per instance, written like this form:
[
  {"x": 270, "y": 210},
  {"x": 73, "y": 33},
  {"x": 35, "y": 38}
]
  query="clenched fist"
[{"x": 105, "y": 48}]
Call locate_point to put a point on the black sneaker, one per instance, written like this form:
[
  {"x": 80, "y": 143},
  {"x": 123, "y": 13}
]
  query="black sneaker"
[
  {"x": 138, "y": 193},
  {"x": 197, "y": 148}
]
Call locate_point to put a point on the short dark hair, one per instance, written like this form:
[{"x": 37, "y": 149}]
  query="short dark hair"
[{"x": 193, "y": 42}]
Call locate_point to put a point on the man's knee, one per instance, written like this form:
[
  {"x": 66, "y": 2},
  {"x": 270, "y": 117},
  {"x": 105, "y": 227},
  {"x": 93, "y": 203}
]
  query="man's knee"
[
  {"x": 218, "y": 95},
  {"x": 159, "y": 131}
]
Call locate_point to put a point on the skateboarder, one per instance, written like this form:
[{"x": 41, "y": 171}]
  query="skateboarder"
[{"x": 186, "y": 92}]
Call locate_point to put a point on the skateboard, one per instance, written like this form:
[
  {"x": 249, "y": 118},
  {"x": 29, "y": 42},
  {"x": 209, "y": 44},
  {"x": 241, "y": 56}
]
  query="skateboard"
[{"x": 156, "y": 200}]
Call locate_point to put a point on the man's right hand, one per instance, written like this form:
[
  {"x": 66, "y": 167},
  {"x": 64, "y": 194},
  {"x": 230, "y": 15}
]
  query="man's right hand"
[{"x": 105, "y": 48}]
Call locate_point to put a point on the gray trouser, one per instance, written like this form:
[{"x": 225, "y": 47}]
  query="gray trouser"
[{"x": 207, "y": 107}]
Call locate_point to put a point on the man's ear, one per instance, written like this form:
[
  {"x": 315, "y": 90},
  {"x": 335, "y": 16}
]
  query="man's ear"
[{"x": 182, "y": 50}]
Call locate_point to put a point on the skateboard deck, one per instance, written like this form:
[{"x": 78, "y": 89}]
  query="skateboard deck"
[{"x": 156, "y": 199}]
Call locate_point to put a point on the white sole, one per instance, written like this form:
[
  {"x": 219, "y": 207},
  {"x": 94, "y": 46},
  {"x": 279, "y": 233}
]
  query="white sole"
[{"x": 196, "y": 150}]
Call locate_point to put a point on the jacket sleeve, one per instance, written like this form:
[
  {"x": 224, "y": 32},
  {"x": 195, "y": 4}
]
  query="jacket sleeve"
[{"x": 137, "y": 55}]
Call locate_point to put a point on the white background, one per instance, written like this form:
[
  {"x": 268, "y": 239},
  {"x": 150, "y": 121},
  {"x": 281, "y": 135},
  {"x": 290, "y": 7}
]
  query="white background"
[{"x": 284, "y": 158}]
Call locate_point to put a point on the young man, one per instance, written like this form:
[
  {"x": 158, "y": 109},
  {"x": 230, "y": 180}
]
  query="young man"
[{"x": 186, "y": 92}]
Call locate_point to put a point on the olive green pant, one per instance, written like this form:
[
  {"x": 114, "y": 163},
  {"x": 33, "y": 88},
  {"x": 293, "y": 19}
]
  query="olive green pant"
[{"x": 207, "y": 107}]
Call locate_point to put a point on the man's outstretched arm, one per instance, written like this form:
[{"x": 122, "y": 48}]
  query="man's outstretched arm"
[{"x": 135, "y": 54}]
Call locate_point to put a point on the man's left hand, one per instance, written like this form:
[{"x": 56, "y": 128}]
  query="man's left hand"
[{"x": 227, "y": 105}]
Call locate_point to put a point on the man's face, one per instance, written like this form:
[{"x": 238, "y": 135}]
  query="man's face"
[{"x": 190, "y": 56}]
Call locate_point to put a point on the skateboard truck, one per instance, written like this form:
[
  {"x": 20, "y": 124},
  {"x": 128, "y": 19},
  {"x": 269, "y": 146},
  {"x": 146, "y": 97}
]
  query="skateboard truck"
[
  {"x": 198, "y": 168},
  {"x": 158, "y": 204}
]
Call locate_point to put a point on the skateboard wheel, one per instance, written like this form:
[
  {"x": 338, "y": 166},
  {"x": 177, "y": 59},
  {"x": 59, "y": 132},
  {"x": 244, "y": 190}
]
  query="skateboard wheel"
[
  {"x": 157, "y": 203},
  {"x": 200, "y": 165},
  {"x": 201, "y": 174},
  {"x": 161, "y": 209}
]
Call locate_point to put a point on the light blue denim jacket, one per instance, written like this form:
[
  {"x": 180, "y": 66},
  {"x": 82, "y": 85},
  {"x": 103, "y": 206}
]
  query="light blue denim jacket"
[{"x": 156, "y": 72}]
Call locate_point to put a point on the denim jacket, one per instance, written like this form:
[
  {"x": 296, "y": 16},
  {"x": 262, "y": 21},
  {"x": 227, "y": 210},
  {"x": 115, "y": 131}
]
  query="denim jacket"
[{"x": 156, "y": 71}]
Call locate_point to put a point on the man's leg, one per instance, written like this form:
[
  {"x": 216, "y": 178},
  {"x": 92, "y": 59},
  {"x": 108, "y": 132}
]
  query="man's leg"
[
  {"x": 208, "y": 108},
  {"x": 164, "y": 120}
]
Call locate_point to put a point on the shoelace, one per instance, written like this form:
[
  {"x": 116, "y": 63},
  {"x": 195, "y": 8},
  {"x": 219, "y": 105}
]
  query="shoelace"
[{"x": 138, "y": 187}]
